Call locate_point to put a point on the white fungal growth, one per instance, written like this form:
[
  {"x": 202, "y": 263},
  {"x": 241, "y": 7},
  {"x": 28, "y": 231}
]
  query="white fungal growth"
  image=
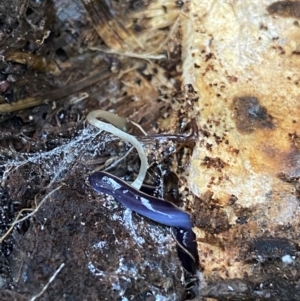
[
  {"x": 287, "y": 259},
  {"x": 117, "y": 127}
]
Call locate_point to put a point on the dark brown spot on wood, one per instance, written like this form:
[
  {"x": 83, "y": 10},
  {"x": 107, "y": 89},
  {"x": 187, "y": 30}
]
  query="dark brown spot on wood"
[
  {"x": 218, "y": 139},
  {"x": 270, "y": 248},
  {"x": 232, "y": 79},
  {"x": 216, "y": 163},
  {"x": 295, "y": 139},
  {"x": 209, "y": 215},
  {"x": 263, "y": 27},
  {"x": 208, "y": 56},
  {"x": 250, "y": 115},
  {"x": 285, "y": 9}
]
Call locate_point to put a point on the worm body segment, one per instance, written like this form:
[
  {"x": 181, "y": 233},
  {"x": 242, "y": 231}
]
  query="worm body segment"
[{"x": 156, "y": 209}]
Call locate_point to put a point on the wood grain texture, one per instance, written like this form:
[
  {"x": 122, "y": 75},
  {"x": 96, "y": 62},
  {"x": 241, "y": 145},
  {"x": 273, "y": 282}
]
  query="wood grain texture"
[{"x": 244, "y": 63}]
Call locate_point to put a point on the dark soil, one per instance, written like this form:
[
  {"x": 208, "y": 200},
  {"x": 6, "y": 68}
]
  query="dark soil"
[{"x": 104, "y": 251}]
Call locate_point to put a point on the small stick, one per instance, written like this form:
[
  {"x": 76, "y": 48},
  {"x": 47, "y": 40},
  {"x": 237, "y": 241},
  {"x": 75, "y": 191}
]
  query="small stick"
[
  {"x": 27, "y": 216},
  {"x": 48, "y": 283},
  {"x": 56, "y": 94}
]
